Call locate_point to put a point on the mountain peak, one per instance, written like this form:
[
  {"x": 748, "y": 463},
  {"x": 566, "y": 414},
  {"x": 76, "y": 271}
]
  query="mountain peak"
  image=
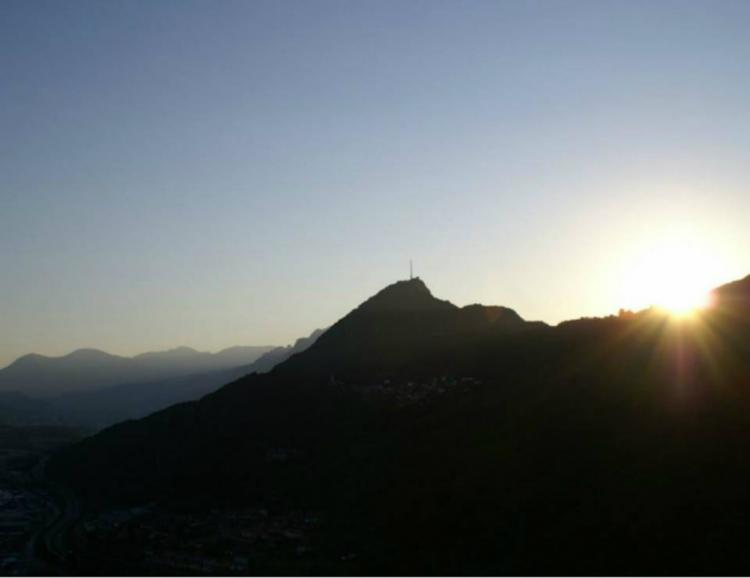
[
  {"x": 175, "y": 352},
  {"x": 410, "y": 294},
  {"x": 88, "y": 353}
]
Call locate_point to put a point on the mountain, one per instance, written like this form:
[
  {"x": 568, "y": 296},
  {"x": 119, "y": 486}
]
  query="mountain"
[
  {"x": 203, "y": 361},
  {"x": 435, "y": 439},
  {"x": 240, "y": 355},
  {"x": 35, "y": 374},
  {"x": 90, "y": 369},
  {"x": 106, "y": 406},
  {"x": 18, "y": 409},
  {"x": 101, "y": 407},
  {"x": 271, "y": 359},
  {"x": 401, "y": 328},
  {"x": 733, "y": 299}
]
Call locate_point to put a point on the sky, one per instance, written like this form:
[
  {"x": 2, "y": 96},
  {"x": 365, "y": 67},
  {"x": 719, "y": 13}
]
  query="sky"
[{"x": 219, "y": 173}]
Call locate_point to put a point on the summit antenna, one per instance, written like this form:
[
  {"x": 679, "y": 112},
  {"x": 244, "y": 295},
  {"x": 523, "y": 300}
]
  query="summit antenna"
[{"x": 411, "y": 270}]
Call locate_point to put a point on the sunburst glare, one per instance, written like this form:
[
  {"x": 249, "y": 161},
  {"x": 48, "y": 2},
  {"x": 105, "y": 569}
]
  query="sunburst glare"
[{"x": 674, "y": 275}]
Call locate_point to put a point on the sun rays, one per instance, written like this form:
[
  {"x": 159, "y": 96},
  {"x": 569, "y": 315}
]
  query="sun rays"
[{"x": 674, "y": 273}]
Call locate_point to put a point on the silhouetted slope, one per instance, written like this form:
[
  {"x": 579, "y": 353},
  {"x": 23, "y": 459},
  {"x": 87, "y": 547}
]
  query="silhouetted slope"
[
  {"x": 103, "y": 407},
  {"x": 733, "y": 299},
  {"x": 601, "y": 446},
  {"x": 271, "y": 359},
  {"x": 401, "y": 328}
]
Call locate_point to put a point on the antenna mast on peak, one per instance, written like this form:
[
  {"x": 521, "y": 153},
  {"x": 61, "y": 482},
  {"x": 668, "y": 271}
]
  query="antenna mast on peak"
[{"x": 411, "y": 270}]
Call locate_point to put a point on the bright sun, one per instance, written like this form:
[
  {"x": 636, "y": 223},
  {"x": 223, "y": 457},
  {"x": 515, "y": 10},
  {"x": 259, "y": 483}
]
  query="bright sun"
[
  {"x": 681, "y": 301},
  {"x": 675, "y": 275}
]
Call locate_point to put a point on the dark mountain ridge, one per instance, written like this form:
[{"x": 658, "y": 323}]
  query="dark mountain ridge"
[
  {"x": 401, "y": 331},
  {"x": 396, "y": 330},
  {"x": 444, "y": 440}
]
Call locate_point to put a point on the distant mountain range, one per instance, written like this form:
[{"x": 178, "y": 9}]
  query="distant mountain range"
[
  {"x": 102, "y": 407},
  {"x": 89, "y": 369},
  {"x": 96, "y": 389},
  {"x": 435, "y": 439}
]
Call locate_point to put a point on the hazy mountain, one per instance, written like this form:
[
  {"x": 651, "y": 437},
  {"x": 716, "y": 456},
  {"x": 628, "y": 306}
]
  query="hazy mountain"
[
  {"x": 88, "y": 369},
  {"x": 19, "y": 409},
  {"x": 434, "y": 439},
  {"x": 271, "y": 359},
  {"x": 204, "y": 361},
  {"x": 104, "y": 406},
  {"x": 109, "y": 405},
  {"x": 33, "y": 439}
]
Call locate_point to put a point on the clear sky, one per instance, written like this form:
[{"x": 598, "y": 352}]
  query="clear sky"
[{"x": 220, "y": 173}]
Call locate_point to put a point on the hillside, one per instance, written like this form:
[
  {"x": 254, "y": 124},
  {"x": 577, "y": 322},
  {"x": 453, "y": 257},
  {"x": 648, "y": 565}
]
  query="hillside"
[{"x": 435, "y": 439}]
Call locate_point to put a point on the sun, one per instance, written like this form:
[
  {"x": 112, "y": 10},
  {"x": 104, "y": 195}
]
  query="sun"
[
  {"x": 683, "y": 302},
  {"x": 674, "y": 275}
]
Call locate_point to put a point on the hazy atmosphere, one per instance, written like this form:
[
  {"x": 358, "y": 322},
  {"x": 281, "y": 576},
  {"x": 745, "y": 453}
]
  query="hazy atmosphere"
[
  {"x": 374, "y": 288},
  {"x": 223, "y": 173}
]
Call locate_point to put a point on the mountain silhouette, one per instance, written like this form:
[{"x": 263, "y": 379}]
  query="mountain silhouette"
[
  {"x": 401, "y": 328},
  {"x": 271, "y": 359},
  {"x": 437, "y": 439},
  {"x": 733, "y": 299}
]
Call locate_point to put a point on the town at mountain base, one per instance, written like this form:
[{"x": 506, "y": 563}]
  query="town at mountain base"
[{"x": 416, "y": 437}]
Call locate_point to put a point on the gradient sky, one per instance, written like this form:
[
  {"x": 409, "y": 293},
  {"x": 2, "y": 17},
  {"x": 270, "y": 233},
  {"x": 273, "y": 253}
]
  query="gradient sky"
[{"x": 219, "y": 173}]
